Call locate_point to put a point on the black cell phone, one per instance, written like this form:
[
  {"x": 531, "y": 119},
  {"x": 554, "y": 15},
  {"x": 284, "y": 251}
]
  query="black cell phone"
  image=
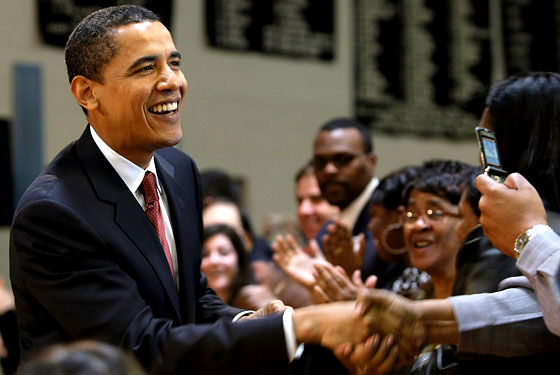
[{"x": 489, "y": 155}]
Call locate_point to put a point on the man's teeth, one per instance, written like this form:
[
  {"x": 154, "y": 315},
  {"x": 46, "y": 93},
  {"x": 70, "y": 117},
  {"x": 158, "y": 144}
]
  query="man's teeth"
[
  {"x": 160, "y": 108},
  {"x": 422, "y": 244}
]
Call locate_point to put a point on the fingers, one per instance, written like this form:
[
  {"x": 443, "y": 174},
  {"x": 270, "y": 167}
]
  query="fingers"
[
  {"x": 382, "y": 353},
  {"x": 362, "y": 245},
  {"x": 357, "y": 279},
  {"x": 516, "y": 181},
  {"x": 376, "y": 355},
  {"x": 319, "y": 295},
  {"x": 274, "y": 307},
  {"x": 389, "y": 362},
  {"x": 486, "y": 184},
  {"x": 371, "y": 281},
  {"x": 326, "y": 280},
  {"x": 293, "y": 247},
  {"x": 363, "y": 304},
  {"x": 315, "y": 251}
]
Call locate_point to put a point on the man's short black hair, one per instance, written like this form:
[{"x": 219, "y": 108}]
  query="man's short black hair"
[
  {"x": 91, "y": 45},
  {"x": 347, "y": 123}
]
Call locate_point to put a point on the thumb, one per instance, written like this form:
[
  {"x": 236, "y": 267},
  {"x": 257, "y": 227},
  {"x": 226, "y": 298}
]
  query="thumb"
[
  {"x": 517, "y": 182},
  {"x": 483, "y": 183}
]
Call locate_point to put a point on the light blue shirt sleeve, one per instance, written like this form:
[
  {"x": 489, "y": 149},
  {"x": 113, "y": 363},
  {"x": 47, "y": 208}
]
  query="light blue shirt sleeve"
[
  {"x": 540, "y": 263},
  {"x": 506, "y": 323}
]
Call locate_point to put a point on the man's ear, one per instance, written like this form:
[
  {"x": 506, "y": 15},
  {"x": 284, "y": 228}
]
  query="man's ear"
[
  {"x": 372, "y": 159},
  {"x": 83, "y": 90}
]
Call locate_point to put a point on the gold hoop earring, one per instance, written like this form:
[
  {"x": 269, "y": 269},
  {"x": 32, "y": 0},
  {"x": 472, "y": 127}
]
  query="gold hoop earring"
[{"x": 390, "y": 249}]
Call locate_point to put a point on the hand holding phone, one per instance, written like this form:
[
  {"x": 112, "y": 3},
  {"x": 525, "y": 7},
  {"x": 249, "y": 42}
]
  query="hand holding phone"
[{"x": 489, "y": 155}]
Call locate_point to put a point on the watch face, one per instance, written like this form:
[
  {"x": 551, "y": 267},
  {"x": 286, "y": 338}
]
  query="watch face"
[{"x": 520, "y": 243}]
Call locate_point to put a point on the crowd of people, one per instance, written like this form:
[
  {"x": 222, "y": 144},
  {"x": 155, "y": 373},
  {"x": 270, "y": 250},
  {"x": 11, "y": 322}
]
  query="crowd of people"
[{"x": 123, "y": 256}]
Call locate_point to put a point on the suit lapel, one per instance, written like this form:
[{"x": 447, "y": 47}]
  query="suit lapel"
[
  {"x": 129, "y": 216},
  {"x": 188, "y": 248}
]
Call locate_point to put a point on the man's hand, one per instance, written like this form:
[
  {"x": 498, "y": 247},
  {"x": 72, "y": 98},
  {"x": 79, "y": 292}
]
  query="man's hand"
[
  {"x": 508, "y": 210},
  {"x": 391, "y": 314},
  {"x": 330, "y": 325},
  {"x": 271, "y": 308},
  {"x": 339, "y": 247}
]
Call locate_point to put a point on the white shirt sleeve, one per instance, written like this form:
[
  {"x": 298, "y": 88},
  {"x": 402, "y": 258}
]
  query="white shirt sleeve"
[{"x": 289, "y": 332}]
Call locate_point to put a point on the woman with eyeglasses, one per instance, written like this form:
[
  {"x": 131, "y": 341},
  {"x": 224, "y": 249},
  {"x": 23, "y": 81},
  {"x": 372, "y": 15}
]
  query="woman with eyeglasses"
[
  {"x": 429, "y": 221},
  {"x": 386, "y": 206}
]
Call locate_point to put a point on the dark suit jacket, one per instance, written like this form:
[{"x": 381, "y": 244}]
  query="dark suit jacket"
[{"x": 85, "y": 262}]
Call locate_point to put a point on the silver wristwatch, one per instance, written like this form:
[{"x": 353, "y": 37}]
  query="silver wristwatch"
[{"x": 524, "y": 237}]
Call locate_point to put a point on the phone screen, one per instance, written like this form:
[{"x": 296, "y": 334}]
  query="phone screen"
[{"x": 491, "y": 152}]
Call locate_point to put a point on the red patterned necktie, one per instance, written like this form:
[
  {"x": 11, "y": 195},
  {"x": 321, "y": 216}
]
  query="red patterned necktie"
[{"x": 153, "y": 210}]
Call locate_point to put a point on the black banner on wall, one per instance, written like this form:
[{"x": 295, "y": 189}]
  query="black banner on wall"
[
  {"x": 294, "y": 28},
  {"x": 57, "y": 18},
  {"x": 423, "y": 67}
]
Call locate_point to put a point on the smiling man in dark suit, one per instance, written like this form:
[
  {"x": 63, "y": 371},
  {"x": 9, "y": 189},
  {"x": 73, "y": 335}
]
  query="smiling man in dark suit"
[{"x": 105, "y": 243}]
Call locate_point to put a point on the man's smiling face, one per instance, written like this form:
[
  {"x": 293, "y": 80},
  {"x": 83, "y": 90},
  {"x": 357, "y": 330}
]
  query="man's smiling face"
[{"x": 142, "y": 92}]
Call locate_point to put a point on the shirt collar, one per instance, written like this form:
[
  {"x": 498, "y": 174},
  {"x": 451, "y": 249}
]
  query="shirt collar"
[
  {"x": 350, "y": 214},
  {"x": 131, "y": 174}
]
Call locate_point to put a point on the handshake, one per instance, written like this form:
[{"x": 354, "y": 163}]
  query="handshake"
[{"x": 379, "y": 331}]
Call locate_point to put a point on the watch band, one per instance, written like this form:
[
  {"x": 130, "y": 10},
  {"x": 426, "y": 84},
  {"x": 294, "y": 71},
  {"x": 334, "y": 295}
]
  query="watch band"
[{"x": 522, "y": 240}]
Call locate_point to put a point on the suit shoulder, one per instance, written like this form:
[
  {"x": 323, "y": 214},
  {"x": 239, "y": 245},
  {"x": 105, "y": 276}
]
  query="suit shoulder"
[{"x": 54, "y": 177}]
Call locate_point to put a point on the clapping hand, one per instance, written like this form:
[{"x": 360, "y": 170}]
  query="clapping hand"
[
  {"x": 333, "y": 284},
  {"x": 340, "y": 248},
  {"x": 294, "y": 261}
]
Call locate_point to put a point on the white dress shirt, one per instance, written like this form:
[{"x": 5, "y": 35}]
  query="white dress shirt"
[{"x": 132, "y": 175}]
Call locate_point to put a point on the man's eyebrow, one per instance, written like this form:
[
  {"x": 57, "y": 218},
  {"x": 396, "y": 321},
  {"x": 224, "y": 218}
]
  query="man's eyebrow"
[
  {"x": 141, "y": 61},
  {"x": 149, "y": 59}
]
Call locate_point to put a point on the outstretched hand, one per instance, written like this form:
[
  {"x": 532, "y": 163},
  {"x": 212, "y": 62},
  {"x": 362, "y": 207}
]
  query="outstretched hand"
[
  {"x": 271, "y": 308},
  {"x": 388, "y": 313},
  {"x": 330, "y": 325}
]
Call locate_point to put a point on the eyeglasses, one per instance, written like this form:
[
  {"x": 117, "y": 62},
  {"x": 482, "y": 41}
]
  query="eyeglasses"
[
  {"x": 433, "y": 215},
  {"x": 338, "y": 160}
]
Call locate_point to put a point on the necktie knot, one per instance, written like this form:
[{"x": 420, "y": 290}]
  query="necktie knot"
[{"x": 149, "y": 187}]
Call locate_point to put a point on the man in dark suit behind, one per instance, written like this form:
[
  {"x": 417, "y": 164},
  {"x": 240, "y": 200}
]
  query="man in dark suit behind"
[
  {"x": 85, "y": 260},
  {"x": 344, "y": 163}
]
